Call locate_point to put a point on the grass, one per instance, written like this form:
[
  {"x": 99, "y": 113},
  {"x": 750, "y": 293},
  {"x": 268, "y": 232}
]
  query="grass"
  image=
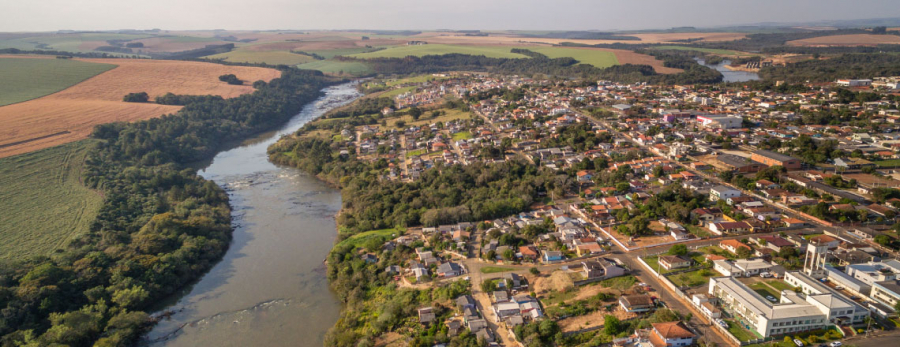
[
  {"x": 394, "y": 92},
  {"x": 44, "y": 203},
  {"x": 361, "y": 238},
  {"x": 331, "y": 53},
  {"x": 739, "y": 332},
  {"x": 495, "y": 269},
  {"x": 692, "y": 278},
  {"x": 887, "y": 163},
  {"x": 596, "y": 58},
  {"x": 556, "y": 297},
  {"x": 704, "y": 50},
  {"x": 23, "y": 79},
  {"x": 462, "y": 135},
  {"x": 764, "y": 290},
  {"x": 338, "y": 67},
  {"x": 779, "y": 284},
  {"x": 697, "y": 231},
  {"x": 268, "y": 57},
  {"x": 418, "y": 152},
  {"x": 622, "y": 283}
]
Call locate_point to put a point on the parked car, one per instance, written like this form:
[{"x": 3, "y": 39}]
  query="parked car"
[
  {"x": 765, "y": 275},
  {"x": 771, "y": 298},
  {"x": 798, "y": 342},
  {"x": 839, "y": 288},
  {"x": 836, "y": 344}
]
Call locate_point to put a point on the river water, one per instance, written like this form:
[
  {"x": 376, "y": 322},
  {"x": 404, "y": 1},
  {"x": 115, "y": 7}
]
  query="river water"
[
  {"x": 730, "y": 75},
  {"x": 270, "y": 288}
]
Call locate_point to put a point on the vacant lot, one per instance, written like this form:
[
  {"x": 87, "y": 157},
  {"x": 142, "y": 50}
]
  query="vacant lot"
[
  {"x": 23, "y": 79},
  {"x": 267, "y": 57},
  {"x": 44, "y": 203},
  {"x": 848, "y": 40},
  {"x": 71, "y": 114}
]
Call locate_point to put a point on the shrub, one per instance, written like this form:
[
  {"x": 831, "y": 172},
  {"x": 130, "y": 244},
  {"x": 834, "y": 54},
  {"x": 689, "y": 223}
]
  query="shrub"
[
  {"x": 136, "y": 97},
  {"x": 231, "y": 79}
]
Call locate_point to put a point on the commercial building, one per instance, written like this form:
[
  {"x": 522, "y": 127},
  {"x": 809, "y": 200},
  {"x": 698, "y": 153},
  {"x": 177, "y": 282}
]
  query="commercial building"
[
  {"x": 723, "y": 192},
  {"x": 771, "y": 159},
  {"x": 872, "y": 272},
  {"x": 720, "y": 122}
]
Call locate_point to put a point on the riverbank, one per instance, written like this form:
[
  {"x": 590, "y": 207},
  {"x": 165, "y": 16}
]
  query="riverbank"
[{"x": 270, "y": 288}]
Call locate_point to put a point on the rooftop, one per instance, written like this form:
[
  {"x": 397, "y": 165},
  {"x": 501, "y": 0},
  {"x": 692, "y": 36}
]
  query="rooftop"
[{"x": 774, "y": 155}]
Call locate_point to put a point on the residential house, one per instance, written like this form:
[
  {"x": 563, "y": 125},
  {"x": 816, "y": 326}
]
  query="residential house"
[
  {"x": 670, "y": 262},
  {"x": 671, "y": 334},
  {"x": 636, "y": 303}
]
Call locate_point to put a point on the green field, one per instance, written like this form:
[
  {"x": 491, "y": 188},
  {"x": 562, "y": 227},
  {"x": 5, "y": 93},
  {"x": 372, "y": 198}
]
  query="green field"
[
  {"x": 64, "y": 42},
  {"x": 359, "y": 239},
  {"x": 437, "y": 49},
  {"x": 44, "y": 203},
  {"x": 704, "y": 50},
  {"x": 597, "y": 58},
  {"x": 269, "y": 57},
  {"x": 394, "y": 92},
  {"x": 331, "y": 53},
  {"x": 693, "y": 278},
  {"x": 462, "y": 135},
  {"x": 739, "y": 332},
  {"x": 23, "y": 79},
  {"x": 338, "y": 67},
  {"x": 495, "y": 269},
  {"x": 888, "y": 163}
]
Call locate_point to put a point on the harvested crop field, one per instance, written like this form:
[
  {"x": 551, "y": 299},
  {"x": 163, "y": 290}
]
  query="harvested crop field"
[
  {"x": 23, "y": 79},
  {"x": 848, "y": 40},
  {"x": 71, "y": 114},
  {"x": 514, "y": 40},
  {"x": 44, "y": 203}
]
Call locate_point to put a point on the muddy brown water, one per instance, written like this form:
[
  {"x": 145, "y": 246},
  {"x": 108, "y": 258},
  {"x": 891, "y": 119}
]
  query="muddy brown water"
[{"x": 270, "y": 287}]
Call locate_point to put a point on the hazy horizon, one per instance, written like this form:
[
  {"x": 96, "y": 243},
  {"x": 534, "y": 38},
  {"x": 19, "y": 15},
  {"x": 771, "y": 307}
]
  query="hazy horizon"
[{"x": 53, "y": 15}]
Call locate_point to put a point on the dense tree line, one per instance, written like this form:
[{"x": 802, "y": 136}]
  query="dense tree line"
[
  {"x": 160, "y": 226},
  {"x": 542, "y": 65},
  {"x": 842, "y": 66}
]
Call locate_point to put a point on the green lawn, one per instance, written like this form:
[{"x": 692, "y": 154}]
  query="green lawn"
[
  {"x": 692, "y": 278},
  {"x": 359, "y": 239},
  {"x": 462, "y": 135},
  {"x": 495, "y": 269},
  {"x": 780, "y": 285},
  {"x": 620, "y": 283},
  {"x": 338, "y": 67},
  {"x": 704, "y": 50},
  {"x": 23, "y": 79},
  {"x": 764, "y": 290},
  {"x": 887, "y": 163},
  {"x": 418, "y": 152},
  {"x": 394, "y": 92},
  {"x": 267, "y": 57},
  {"x": 44, "y": 205},
  {"x": 739, "y": 332},
  {"x": 697, "y": 231}
]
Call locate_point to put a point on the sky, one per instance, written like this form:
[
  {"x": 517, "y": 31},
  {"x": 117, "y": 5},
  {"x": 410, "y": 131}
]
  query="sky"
[{"x": 51, "y": 15}]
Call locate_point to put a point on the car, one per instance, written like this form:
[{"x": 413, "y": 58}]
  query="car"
[
  {"x": 855, "y": 297},
  {"x": 765, "y": 275},
  {"x": 839, "y": 288},
  {"x": 798, "y": 342},
  {"x": 771, "y": 298},
  {"x": 836, "y": 344}
]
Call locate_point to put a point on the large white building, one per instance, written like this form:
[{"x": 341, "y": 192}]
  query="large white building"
[
  {"x": 815, "y": 308},
  {"x": 792, "y": 314},
  {"x": 838, "y": 308},
  {"x": 872, "y": 272},
  {"x": 720, "y": 122}
]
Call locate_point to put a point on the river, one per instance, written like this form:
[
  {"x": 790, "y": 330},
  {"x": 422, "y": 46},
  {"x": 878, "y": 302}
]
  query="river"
[
  {"x": 270, "y": 288},
  {"x": 730, "y": 75}
]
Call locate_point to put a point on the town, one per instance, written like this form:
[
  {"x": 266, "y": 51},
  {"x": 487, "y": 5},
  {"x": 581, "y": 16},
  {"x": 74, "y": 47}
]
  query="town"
[{"x": 678, "y": 215}]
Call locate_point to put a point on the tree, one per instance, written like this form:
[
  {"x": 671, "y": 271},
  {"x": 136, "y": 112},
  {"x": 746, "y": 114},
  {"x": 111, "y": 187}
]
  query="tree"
[
  {"x": 231, "y": 79},
  {"x": 136, "y": 97},
  {"x": 488, "y": 286},
  {"x": 883, "y": 240},
  {"x": 400, "y": 123},
  {"x": 678, "y": 249},
  {"x": 534, "y": 271},
  {"x": 415, "y": 112},
  {"x": 744, "y": 253},
  {"x": 611, "y": 325},
  {"x": 509, "y": 254}
]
